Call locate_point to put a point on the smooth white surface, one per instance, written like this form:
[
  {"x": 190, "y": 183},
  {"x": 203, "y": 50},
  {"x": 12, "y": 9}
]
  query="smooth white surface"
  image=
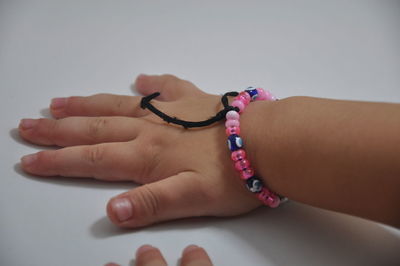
[{"x": 339, "y": 49}]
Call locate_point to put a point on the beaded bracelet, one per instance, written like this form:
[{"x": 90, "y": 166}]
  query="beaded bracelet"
[{"x": 235, "y": 145}]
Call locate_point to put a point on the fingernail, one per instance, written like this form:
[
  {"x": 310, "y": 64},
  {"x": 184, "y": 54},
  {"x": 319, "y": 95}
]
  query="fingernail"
[
  {"x": 143, "y": 249},
  {"x": 142, "y": 76},
  {"x": 28, "y": 160},
  {"x": 190, "y": 248},
  {"x": 123, "y": 208},
  {"x": 28, "y": 123},
  {"x": 58, "y": 103}
]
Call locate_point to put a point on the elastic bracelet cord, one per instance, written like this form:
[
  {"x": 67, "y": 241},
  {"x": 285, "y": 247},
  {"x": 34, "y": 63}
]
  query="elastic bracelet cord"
[
  {"x": 238, "y": 154},
  {"x": 145, "y": 103}
]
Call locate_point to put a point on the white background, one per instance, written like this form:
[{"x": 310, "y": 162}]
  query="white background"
[{"x": 336, "y": 49}]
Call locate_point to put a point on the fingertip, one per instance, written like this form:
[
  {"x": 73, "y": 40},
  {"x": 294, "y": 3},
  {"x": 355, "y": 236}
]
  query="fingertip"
[
  {"x": 57, "y": 107},
  {"x": 144, "y": 248},
  {"x": 195, "y": 255},
  {"x": 190, "y": 248},
  {"x": 149, "y": 255},
  {"x": 139, "y": 84},
  {"x": 120, "y": 211}
]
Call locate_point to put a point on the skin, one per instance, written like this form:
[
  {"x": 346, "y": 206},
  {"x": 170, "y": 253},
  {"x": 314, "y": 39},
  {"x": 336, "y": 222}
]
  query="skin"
[{"x": 337, "y": 155}]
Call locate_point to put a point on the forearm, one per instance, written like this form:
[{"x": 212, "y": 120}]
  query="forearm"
[{"x": 337, "y": 155}]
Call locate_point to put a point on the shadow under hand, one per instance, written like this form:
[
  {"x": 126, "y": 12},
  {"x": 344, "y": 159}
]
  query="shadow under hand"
[
  {"x": 45, "y": 112},
  {"x": 76, "y": 181},
  {"x": 103, "y": 228}
]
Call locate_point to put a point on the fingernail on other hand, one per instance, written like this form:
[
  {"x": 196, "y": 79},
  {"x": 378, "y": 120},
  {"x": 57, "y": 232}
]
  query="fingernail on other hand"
[
  {"x": 122, "y": 208},
  {"x": 143, "y": 249},
  {"x": 190, "y": 248}
]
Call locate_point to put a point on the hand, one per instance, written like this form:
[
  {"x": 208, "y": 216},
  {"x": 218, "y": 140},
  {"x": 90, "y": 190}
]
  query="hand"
[
  {"x": 150, "y": 256},
  {"x": 109, "y": 137}
]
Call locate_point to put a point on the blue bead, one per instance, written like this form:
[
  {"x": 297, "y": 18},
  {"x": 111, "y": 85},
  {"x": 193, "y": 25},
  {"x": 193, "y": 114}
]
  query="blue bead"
[
  {"x": 234, "y": 142},
  {"x": 254, "y": 184},
  {"x": 252, "y": 92}
]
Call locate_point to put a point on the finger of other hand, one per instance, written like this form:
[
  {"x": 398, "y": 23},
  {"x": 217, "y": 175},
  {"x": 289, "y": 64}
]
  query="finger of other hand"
[
  {"x": 195, "y": 256},
  {"x": 148, "y": 255}
]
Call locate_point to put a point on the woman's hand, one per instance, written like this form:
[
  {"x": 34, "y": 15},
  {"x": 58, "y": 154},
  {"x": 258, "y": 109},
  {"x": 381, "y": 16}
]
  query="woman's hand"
[
  {"x": 109, "y": 137},
  {"x": 148, "y": 255}
]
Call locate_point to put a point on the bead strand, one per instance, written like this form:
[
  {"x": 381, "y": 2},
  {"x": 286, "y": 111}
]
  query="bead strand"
[{"x": 235, "y": 145}]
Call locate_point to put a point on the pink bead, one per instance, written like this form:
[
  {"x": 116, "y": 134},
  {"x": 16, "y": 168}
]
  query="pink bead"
[
  {"x": 231, "y": 123},
  {"x": 239, "y": 104},
  {"x": 232, "y": 130},
  {"x": 242, "y": 164},
  {"x": 273, "y": 201},
  {"x": 261, "y": 95},
  {"x": 244, "y": 97},
  {"x": 233, "y": 115},
  {"x": 264, "y": 194},
  {"x": 238, "y": 155},
  {"x": 247, "y": 173},
  {"x": 269, "y": 96}
]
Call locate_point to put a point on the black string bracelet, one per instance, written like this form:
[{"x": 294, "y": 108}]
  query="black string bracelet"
[{"x": 145, "y": 103}]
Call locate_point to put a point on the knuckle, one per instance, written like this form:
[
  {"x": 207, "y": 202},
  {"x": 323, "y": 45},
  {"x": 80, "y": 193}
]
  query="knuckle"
[
  {"x": 96, "y": 127},
  {"x": 51, "y": 129},
  {"x": 148, "y": 203},
  {"x": 46, "y": 161},
  {"x": 94, "y": 154},
  {"x": 169, "y": 80},
  {"x": 150, "y": 156}
]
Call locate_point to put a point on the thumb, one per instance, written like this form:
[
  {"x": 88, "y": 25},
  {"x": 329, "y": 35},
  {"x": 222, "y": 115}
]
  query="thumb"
[
  {"x": 170, "y": 87},
  {"x": 174, "y": 197}
]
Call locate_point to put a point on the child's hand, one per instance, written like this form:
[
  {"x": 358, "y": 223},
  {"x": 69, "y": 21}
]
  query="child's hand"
[{"x": 109, "y": 137}]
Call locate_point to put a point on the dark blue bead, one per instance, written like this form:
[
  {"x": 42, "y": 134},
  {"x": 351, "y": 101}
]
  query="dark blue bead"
[
  {"x": 252, "y": 92},
  {"x": 254, "y": 184},
  {"x": 234, "y": 142}
]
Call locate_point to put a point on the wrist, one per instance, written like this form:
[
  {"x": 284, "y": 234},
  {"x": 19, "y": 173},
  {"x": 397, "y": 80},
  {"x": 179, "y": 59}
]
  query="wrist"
[{"x": 263, "y": 136}]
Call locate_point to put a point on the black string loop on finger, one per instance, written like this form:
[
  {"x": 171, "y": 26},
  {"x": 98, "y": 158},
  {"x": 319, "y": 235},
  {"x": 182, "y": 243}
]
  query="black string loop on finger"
[{"x": 145, "y": 103}]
